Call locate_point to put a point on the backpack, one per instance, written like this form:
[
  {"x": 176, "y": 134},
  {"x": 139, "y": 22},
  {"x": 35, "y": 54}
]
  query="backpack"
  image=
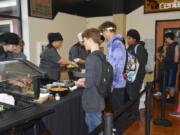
[
  {"x": 105, "y": 83},
  {"x": 131, "y": 67},
  {"x": 150, "y": 60}
]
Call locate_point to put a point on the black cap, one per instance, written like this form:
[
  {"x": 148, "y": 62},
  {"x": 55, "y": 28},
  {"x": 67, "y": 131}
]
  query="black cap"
[
  {"x": 134, "y": 34},
  {"x": 54, "y": 37},
  {"x": 10, "y": 38}
]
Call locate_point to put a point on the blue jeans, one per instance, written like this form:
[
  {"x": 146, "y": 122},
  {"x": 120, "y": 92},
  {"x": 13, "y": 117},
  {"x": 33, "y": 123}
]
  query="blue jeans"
[
  {"x": 171, "y": 78},
  {"x": 93, "y": 119}
]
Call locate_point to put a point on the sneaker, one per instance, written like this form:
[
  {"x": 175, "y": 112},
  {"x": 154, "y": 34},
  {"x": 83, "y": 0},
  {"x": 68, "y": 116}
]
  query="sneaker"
[
  {"x": 176, "y": 114},
  {"x": 142, "y": 105},
  {"x": 157, "y": 94},
  {"x": 113, "y": 131}
]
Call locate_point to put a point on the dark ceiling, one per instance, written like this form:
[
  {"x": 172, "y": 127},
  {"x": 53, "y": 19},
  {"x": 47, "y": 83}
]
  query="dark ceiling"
[
  {"x": 95, "y": 8},
  {"x": 86, "y": 8}
]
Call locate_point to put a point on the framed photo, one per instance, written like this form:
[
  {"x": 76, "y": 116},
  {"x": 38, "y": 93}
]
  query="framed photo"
[
  {"x": 40, "y": 8},
  {"x": 6, "y": 26},
  {"x": 153, "y": 6}
]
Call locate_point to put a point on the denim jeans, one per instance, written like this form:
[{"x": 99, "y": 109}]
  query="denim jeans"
[{"x": 93, "y": 119}]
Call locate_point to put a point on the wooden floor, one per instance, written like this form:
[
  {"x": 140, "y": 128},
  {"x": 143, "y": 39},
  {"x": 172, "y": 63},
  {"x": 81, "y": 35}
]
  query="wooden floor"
[{"x": 138, "y": 127}]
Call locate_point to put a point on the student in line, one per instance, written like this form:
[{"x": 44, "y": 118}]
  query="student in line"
[
  {"x": 92, "y": 102},
  {"x": 117, "y": 58},
  {"x": 171, "y": 65},
  {"x": 133, "y": 89},
  {"x": 160, "y": 59}
]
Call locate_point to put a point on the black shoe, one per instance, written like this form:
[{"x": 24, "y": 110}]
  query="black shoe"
[
  {"x": 170, "y": 100},
  {"x": 134, "y": 117}
]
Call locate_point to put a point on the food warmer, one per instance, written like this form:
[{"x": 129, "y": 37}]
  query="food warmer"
[{"x": 20, "y": 79}]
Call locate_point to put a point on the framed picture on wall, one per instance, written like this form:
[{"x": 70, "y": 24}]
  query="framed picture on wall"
[
  {"x": 40, "y": 8},
  {"x": 6, "y": 26},
  {"x": 153, "y": 6}
]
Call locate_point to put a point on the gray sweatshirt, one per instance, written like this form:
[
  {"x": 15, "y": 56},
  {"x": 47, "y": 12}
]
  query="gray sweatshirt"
[{"x": 92, "y": 101}]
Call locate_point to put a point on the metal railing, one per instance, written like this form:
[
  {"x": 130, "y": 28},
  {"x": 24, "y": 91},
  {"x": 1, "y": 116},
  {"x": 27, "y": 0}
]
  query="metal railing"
[
  {"x": 162, "y": 121},
  {"x": 107, "y": 125}
]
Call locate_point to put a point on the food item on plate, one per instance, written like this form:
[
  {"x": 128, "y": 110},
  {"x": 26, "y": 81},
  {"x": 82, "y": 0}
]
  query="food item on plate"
[
  {"x": 27, "y": 89},
  {"x": 1, "y": 108},
  {"x": 70, "y": 66},
  {"x": 57, "y": 89}
]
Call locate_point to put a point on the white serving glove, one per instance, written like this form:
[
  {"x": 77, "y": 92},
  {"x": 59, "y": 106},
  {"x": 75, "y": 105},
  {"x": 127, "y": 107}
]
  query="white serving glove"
[{"x": 77, "y": 59}]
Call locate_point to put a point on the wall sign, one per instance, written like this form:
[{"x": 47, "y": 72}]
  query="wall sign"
[
  {"x": 40, "y": 8},
  {"x": 151, "y": 6}
]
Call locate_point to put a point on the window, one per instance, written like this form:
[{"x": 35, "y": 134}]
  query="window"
[
  {"x": 10, "y": 16},
  {"x": 6, "y": 26}
]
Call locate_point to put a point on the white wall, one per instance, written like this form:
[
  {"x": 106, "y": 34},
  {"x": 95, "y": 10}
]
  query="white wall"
[
  {"x": 96, "y": 21},
  {"x": 35, "y": 29},
  {"x": 25, "y": 27},
  {"x": 145, "y": 23},
  {"x": 68, "y": 25}
]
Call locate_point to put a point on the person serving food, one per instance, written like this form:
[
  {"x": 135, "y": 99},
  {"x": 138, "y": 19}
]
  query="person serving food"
[{"x": 50, "y": 60}]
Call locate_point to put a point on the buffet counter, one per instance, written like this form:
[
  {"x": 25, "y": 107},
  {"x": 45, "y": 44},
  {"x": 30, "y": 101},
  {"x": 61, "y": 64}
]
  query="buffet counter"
[
  {"x": 17, "y": 120},
  {"x": 20, "y": 86},
  {"x": 68, "y": 116}
]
